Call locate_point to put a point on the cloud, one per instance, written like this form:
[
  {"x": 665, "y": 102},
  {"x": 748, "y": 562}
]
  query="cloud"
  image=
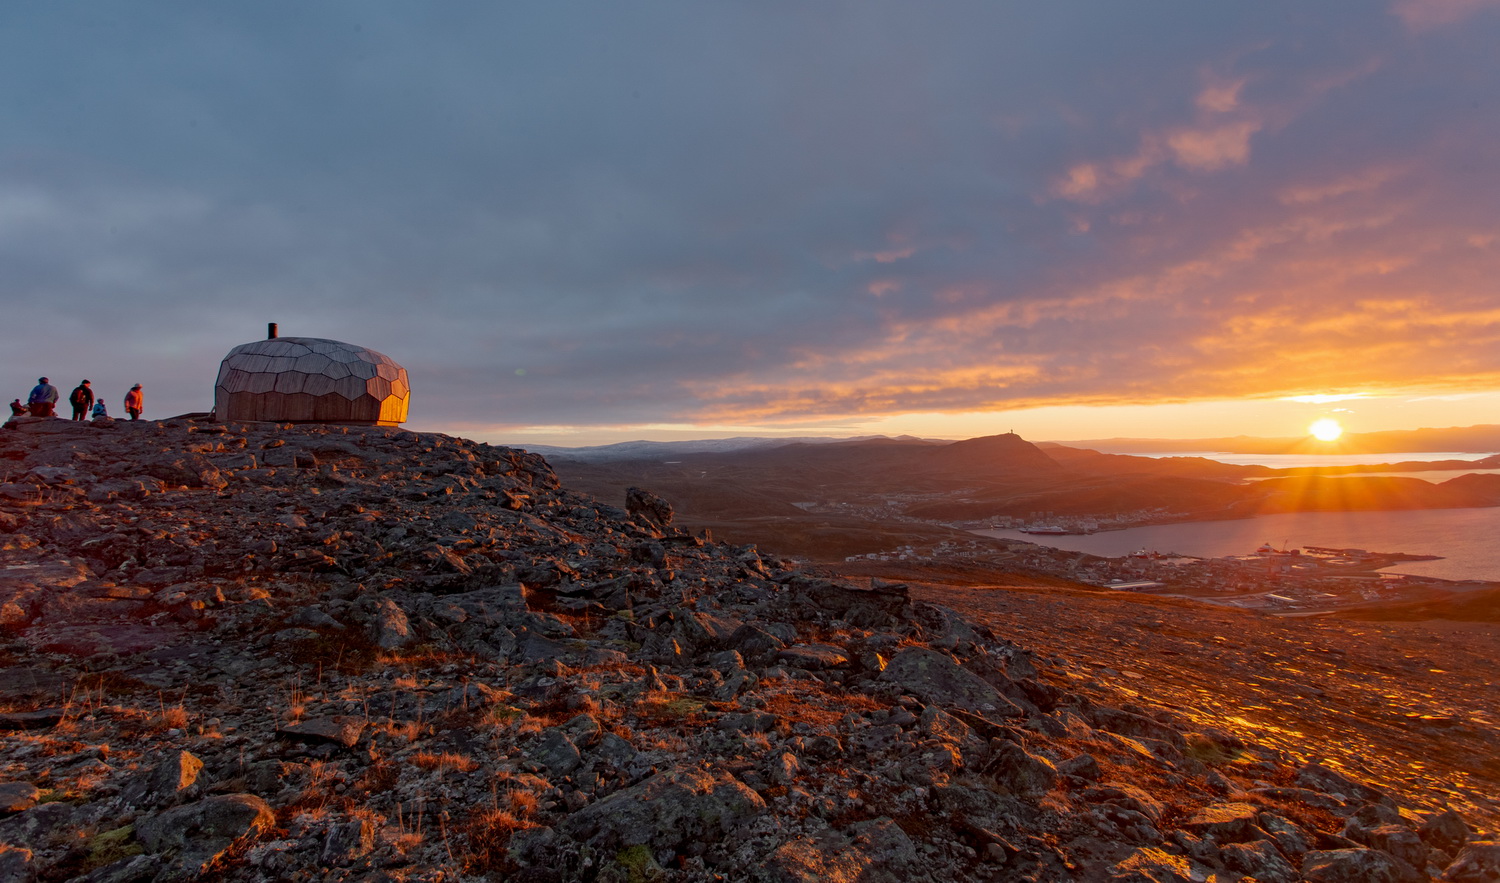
[
  {"x": 669, "y": 215},
  {"x": 1421, "y": 15},
  {"x": 1211, "y": 149}
]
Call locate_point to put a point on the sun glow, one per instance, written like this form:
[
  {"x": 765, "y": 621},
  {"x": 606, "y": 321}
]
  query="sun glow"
[{"x": 1326, "y": 429}]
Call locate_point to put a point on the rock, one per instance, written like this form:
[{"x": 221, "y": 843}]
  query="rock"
[
  {"x": 17, "y": 796},
  {"x": 335, "y": 729},
  {"x": 647, "y": 506},
  {"x": 135, "y": 869},
  {"x": 946, "y": 628},
  {"x": 667, "y": 813},
  {"x": 347, "y": 842},
  {"x": 876, "y": 851},
  {"x": 1477, "y": 862},
  {"x": 1082, "y": 766},
  {"x": 754, "y": 642},
  {"x": 1320, "y": 778},
  {"x": 1259, "y": 860},
  {"x": 813, "y": 657},
  {"x": 1224, "y": 822},
  {"x": 1128, "y": 797},
  {"x": 936, "y": 678},
  {"x": 40, "y": 719},
  {"x": 1126, "y": 723},
  {"x": 389, "y": 627},
  {"x": 1396, "y": 840},
  {"x": 200, "y": 832},
  {"x": 556, "y": 752},
  {"x": 39, "y": 827},
  {"x": 1018, "y": 771},
  {"x": 1290, "y": 839},
  {"x": 165, "y": 781},
  {"x": 1152, "y": 865},
  {"x": 875, "y": 607},
  {"x": 15, "y": 865},
  {"x": 1351, "y": 866},
  {"x": 1446, "y": 830},
  {"x": 828, "y": 857}
]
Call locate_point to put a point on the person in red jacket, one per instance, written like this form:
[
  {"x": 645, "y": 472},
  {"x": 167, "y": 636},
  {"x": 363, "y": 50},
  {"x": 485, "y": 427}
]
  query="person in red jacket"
[{"x": 133, "y": 402}]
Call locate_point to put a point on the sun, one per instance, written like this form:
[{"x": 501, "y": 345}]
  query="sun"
[{"x": 1326, "y": 429}]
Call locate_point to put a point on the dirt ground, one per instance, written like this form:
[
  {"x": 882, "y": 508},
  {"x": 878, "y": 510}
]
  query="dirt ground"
[{"x": 1411, "y": 706}]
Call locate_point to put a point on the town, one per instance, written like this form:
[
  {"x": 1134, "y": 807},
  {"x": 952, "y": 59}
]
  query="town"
[{"x": 1290, "y": 582}]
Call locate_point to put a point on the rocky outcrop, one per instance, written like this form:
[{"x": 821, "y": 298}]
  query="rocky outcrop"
[{"x": 262, "y": 652}]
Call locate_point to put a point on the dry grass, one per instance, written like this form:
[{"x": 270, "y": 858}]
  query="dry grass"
[
  {"x": 664, "y": 706},
  {"x": 818, "y": 708},
  {"x": 406, "y": 731},
  {"x": 444, "y": 762},
  {"x": 487, "y": 836}
]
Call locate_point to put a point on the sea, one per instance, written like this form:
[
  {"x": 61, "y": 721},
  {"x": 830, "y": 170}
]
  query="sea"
[{"x": 1465, "y": 538}]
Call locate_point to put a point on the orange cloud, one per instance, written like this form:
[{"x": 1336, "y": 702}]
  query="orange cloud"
[
  {"x": 1220, "y": 97},
  {"x": 1421, "y": 15},
  {"x": 1359, "y": 182},
  {"x": 1211, "y": 149}
]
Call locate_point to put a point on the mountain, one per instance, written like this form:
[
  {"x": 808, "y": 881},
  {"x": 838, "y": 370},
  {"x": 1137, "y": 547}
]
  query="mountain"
[
  {"x": 645, "y": 450},
  {"x": 834, "y": 499}
]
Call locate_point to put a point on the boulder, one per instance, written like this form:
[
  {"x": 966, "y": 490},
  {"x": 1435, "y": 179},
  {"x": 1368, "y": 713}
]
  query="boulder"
[
  {"x": 648, "y": 507},
  {"x": 813, "y": 657},
  {"x": 336, "y": 729},
  {"x": 175, "y": 775},
  {"x": 936, "y": 678},
  {"x": 18, "y": 796},
  {"x": 1224, "y": 822},
  {"x": 681, "y": 809},
  {"x": 1019, "y": 771},
  {"x": 1351, "y": 866},
  {"x": 1148, "y": 864},
  {"x": 1478, "y": 862},
  {"x": 1446, "y": 830},
  {"x": 1259, "y": 860},
  {"x": 198, "y": 833},
  {"x": 388, "y": 625},
  {"x": 1318, "y": 777}
]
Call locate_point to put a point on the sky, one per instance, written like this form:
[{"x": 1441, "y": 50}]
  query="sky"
[{"x": 584, "y": 222}]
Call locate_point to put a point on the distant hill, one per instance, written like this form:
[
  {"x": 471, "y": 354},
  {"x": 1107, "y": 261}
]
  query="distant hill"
[
  {"x": 1482, "y": 439},
  {"x": 642, "y": 449},
  {"x": 831, "y": 498}
]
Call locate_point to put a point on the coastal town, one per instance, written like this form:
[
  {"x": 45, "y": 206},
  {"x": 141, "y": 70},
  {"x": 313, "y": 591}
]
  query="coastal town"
[{"x": 1289, "y": 582}]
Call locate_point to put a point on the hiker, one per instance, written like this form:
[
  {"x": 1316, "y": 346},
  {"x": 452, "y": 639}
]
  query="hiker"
[
  {"x": 99, "y": 411},
  {"x": 16, "y": 408},
  {"x": 43, "y": 399},
  {"x": 133, "y": 402},
  {"x": 81, "y": 398}
]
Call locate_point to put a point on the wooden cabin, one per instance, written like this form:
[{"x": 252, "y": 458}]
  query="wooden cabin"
[{"x": 310, "y": 380}]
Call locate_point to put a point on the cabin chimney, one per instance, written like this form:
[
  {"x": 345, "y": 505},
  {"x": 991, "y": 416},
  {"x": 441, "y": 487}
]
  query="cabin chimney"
[{"x": 270, "y": 331}]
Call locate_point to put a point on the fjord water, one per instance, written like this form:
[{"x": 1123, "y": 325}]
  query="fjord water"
[
  {"x": 1290, "y": 461},
  {"x": 1464, "y": 537}
]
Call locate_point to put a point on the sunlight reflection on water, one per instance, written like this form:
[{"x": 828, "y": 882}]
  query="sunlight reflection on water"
[{"x": 1464, "y": 537}]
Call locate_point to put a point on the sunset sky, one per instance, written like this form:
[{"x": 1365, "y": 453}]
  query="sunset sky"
[{"x": 576, "y": 223}]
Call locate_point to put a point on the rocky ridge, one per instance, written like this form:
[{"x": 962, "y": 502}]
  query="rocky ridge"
[{"x": 269, "y": 652}]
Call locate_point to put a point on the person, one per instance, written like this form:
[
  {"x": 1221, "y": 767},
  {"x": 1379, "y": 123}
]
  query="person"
[
  {"x": 133, "y": 402},
  {"x": 100, "y": 413},
  {"x": 43, "y": 399},
  {"x": 81, "y": 398},
  {"x": 16, "y": 408}
]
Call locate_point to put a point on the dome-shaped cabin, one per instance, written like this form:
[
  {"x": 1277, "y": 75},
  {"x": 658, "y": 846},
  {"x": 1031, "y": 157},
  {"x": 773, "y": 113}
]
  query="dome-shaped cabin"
[{"x": 310, "y": 380}]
